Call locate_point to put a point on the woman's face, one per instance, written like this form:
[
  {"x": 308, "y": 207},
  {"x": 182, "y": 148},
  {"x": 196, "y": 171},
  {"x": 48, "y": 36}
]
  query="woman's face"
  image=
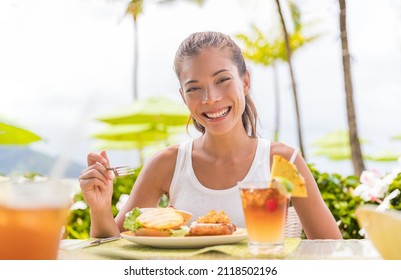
[{"x": 213, "y": 90}]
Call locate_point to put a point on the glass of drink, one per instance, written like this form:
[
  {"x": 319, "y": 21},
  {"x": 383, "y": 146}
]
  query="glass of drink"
[
  {"x": 32, "y": 216},
  {"x": 265, "y": 210}
]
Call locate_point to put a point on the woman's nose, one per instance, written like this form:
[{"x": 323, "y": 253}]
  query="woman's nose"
[{"x": 210, "y": 95}]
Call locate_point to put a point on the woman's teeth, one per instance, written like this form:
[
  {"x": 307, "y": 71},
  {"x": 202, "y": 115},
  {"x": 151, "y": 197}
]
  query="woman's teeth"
[{"x": 216, "y": 115}]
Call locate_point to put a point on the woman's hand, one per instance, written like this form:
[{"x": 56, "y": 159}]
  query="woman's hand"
[{"x": 97, "y": 182}]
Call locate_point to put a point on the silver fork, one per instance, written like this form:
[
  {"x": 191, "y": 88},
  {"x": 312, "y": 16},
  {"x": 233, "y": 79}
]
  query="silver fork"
[
  {"x": 121, "y": 171},
  {"x": 87, "y": 243}
]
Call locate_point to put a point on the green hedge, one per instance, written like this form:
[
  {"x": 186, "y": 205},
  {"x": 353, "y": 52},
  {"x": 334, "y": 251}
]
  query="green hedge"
[
  {"x": 336, "y": 191},
  {"x": 396, "y": 184}
]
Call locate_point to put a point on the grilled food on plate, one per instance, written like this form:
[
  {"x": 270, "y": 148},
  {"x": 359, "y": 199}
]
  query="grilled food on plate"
[
  {"x": 162, "y": 222},
  {"x": 214, "y": 223}
]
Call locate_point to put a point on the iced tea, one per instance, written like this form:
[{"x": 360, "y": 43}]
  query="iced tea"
[
  {"x": 265, "y": 212},
  {"x": 30, "y": 233},
  {"x": 32, "y": 216}
]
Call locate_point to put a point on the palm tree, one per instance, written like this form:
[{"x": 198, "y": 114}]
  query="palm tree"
[
  {"x": 289, "y": 61},
  {"x": 261, "y": 49},
  {"x": 356, "y": 153},
  {"x": 267, "y": 53},
  {"x": 135, "y": 8}
]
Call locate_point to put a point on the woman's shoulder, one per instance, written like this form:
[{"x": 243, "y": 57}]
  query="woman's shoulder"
[
  {"x": 282, "y": 149},
  {"x": 165, "y": 156},
  {"x": 160, "y": 167}
]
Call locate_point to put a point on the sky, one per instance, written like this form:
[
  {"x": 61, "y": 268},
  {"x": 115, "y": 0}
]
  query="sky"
[{"x": 65, "y": 62}]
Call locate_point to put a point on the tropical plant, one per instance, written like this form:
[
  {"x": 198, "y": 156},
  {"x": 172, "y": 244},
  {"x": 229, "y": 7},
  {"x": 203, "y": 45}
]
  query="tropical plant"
[
  {"x": 337, "y": 191},
  {"x": 384, "y": 190},
  {"x": 356, "y": 152},
  {"x": 134, "y": 9},
  {"x": 395, "y": 185},
  {"x": 260, "y": 50},
  {"x": 295, "y": 15},
  {"x": 266, "y": 50},
  {"x": 343, "y": 195}
]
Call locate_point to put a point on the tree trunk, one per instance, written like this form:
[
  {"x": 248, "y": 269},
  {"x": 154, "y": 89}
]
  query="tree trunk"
[
  {"x": 136, "y": 57},
  {"x": 356, "y": 153},
  {"x": 276, "y": 136},
  {"x": 294, "y": 87}
]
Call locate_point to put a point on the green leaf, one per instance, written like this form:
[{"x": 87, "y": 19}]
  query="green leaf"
[
  {"x": 130, "y": 222},
  {"x": 179, "y": 232}
]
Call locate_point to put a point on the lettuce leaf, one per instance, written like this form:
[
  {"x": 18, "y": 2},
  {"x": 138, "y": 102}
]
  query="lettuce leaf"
[
  {"x": 130, "y": 222},
  {"x": 179, "y": 232}
]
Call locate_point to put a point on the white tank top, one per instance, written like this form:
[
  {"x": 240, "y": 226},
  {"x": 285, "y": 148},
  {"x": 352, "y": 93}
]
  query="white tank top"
[{"x": 188, "y": 194}]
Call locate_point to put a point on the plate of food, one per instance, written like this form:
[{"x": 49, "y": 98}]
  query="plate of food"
[{"x": 166, "y": 228}]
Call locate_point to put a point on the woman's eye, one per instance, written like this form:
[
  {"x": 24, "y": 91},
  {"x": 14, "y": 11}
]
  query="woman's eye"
[
  {"x": 222, "y": 80},
  {"x": 189, "y": 90}
]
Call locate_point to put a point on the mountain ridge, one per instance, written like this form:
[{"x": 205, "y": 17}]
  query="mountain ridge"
[{"x": 22, "y": 159}]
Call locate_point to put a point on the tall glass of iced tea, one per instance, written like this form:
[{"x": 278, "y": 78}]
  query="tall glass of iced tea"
[
  {"x": 265, "y": 209},
  {"x": 32, "y": 215}
]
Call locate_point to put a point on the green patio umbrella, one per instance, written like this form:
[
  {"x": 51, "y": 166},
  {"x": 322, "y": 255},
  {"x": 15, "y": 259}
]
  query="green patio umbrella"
[
  {"x": 344, "y": 153},
  {"x": 143, "y": 123},
  {"x": 384, "y": 156},
  {"x": 139, "y": 133},
  {"x": 120, "y": 145},
  {"x": 338, "y": 138},
  {"x": 10, "y": 134},
  {"x": 334, "y": 145},
  {"x": 135, "y": 136},
  {"x": 334, "y": 153},
  {"x": 154, "y": 110},
  {"x": 396, "y": 137}
]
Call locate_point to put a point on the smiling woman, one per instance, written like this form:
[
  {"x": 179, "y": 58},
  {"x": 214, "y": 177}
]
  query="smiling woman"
[
  {"x": 211, "y": 66},
  {"x": 202, "y": 173}
]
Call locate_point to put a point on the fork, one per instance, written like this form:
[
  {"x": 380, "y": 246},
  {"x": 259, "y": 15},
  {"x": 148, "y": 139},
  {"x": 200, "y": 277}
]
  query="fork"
[
  {"x": 88, "y": 243},
  {"x": 121, "y": 171}
]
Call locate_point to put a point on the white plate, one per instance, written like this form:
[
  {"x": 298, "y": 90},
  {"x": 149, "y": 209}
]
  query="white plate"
[{"x": 188, "y": 241}]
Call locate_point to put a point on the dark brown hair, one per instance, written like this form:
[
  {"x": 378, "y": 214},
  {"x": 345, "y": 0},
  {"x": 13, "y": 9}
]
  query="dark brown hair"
[{"x": 200, "y": 41}]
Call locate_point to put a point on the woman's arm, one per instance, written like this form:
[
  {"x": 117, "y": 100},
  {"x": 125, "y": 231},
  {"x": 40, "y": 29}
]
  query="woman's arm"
[
  {"x": 316, "y": 218},
  {"x": 96, "y": 184},
  {"x": 153, "y": 181}
]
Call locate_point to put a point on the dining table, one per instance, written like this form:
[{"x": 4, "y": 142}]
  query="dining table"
[
  {"x": 294, "y": 249},
  {"x": 119, "y": 258}
]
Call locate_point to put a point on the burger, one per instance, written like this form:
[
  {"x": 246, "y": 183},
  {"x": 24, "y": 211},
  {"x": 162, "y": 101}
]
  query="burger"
[
  {"x": 161, "y": 222},
  {"x": 213, "y": 223}
]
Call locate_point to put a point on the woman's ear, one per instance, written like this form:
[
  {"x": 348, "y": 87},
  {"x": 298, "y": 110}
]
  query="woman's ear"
[{"x": 247, "y": 83}]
